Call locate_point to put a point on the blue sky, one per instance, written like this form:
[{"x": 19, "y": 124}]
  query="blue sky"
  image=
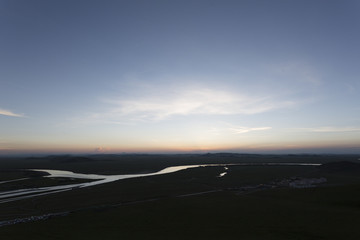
[{"x": 179, "y": 76}]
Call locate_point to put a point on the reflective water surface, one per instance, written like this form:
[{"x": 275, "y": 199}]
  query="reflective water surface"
[{"x": 13, "y": 195}]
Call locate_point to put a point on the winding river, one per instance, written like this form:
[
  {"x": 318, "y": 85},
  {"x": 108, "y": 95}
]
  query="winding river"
[{"x": 14, "y": 195}]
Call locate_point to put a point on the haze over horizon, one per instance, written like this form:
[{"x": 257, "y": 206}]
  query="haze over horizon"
[{"x": 179, "y": 76}]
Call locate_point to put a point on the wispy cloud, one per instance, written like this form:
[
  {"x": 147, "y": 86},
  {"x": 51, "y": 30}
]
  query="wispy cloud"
[
  {"x": 235, "y": 129},
  {"x": 241, "y": 130},
  {"x": 333, "y": 129},
  {"x": 206, "y": 102},
  {"x": 9, "y": 113},
  {"x": 327, "y": 129}
]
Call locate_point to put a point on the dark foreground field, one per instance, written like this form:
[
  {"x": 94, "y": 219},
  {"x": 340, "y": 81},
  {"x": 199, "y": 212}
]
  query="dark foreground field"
[{"x": 190, "y": 204}]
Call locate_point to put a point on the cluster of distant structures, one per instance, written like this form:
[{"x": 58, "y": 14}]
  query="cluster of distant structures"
[
  {"x": 299, "y": 182},
  {"x": 292, "y": 182}
]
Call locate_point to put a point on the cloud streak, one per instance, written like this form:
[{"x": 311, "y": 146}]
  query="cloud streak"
[
  {"x": 333, "y": 129},
  {"x": 9, "y": 113},
  {"x": 241, "y": 130},
  {"x": 194, "y": 102}
]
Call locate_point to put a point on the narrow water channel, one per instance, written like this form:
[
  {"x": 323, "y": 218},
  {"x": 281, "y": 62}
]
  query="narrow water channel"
[{"x": 14, "y": 195}]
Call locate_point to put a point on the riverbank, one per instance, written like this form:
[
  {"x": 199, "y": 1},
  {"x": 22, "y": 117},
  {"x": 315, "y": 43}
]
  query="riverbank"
[{"x": 196, "y": 200}]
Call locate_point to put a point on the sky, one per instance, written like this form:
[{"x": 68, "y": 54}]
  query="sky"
[{"x": 280, "y": 76}]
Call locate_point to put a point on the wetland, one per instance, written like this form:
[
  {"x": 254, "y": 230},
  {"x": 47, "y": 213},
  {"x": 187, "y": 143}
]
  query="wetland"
[{"x": 153, "y": 196}]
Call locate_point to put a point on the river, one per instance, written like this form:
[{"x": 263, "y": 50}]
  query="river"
[{"x": 19, "y": 194}]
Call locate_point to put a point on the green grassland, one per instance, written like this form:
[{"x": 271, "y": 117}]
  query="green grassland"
[{"x": 155, "y": 208}]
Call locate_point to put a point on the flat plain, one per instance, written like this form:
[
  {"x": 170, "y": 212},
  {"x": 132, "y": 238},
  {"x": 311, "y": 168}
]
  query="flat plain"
[{"x": 249, "y": 202}]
